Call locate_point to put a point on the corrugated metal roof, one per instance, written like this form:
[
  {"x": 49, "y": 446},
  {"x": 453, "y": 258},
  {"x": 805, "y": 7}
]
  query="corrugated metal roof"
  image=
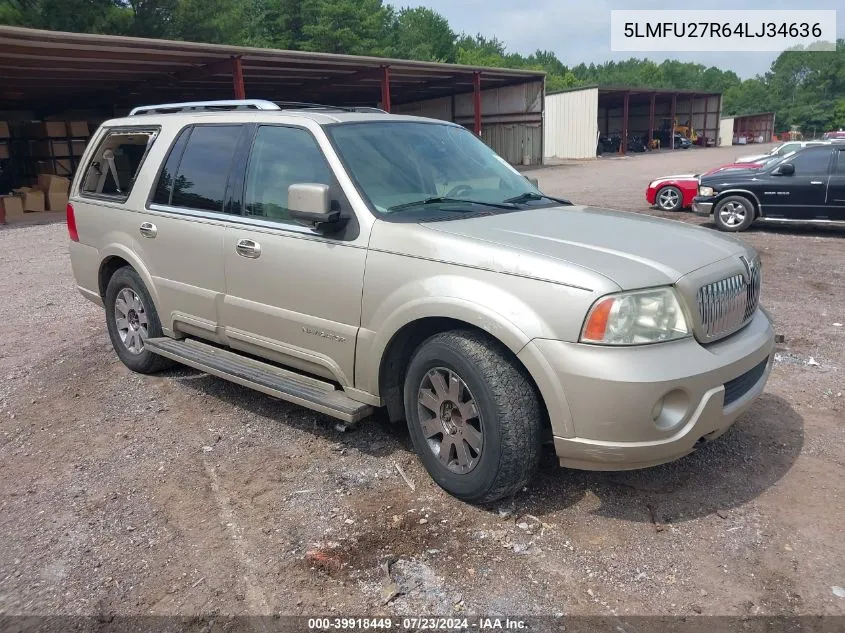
[
  {"x": 108, "y": 69},
  {"x": 610, "y": 89}
]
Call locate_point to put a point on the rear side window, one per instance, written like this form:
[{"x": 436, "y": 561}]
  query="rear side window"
[
  {"x": 115, "y": 163},
  {"x": 197, "y": 170}
]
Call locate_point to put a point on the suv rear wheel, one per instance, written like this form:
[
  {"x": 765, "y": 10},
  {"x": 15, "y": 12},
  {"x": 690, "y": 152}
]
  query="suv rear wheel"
[
  {"x": 733, "y": 213},
  {"x": 474, "y": 416},
  {"x": 131, "y": 319}
]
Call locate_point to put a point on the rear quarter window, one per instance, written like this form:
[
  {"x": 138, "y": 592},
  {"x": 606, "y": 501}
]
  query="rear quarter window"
[{"x": 113, "y": 167}]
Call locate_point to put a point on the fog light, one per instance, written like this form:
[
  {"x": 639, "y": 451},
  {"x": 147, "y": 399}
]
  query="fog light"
[{"x": 671, "y": 410}]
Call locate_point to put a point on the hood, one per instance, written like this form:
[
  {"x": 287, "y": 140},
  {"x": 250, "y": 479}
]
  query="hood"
[
  {"x": 729, "y": 175},
  {"x": 632, "y": 250},
  {"x": 676, "y": 177},
  {"x": 750, "y": 158}
]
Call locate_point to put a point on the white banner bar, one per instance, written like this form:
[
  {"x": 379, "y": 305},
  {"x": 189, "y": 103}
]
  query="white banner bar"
[{"x": 668, "y": 30}]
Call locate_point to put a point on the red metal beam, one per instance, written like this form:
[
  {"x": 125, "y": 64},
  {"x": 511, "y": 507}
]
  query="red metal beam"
[
  {"x": 476, "y": 101},
  {"x": 706, "y": 107},
  {"x": 238, "y": 78},
  {"x": 651, "y": 120},
  {"x": 672, "y": 121},
  {"x": 385, "y": 88},
  {"x": 623, "y": 146}
]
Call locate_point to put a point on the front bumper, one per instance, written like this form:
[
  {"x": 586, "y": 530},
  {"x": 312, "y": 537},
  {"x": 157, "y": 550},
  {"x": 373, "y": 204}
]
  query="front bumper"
[
  {"x": 702, "y": 206},
  {"x": 636, "y": 407}
]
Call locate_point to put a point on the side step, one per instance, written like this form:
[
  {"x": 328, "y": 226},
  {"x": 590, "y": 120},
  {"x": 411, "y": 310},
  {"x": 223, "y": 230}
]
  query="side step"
[{"x": 264, "y": 377}]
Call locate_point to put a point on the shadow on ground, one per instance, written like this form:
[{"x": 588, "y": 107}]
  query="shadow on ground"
[
  {"x": 729, "y": 472},
  {"x": 732, "y": 470}
]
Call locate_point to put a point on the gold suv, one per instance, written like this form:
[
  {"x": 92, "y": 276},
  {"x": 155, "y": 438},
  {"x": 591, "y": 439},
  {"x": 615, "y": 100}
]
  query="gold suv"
[{"x": 346, "y": 261}]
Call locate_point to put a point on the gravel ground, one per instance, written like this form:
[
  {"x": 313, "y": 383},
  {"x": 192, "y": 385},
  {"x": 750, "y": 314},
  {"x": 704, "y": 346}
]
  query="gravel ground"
[{"x": 184, "y": 494}]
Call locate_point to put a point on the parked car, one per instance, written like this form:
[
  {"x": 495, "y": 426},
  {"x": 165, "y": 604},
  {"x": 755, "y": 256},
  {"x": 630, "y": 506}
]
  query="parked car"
[
  {"x": 779, "y": 150},
  {"x": 805, "y": 186},
  {"x": 838, "y": 135},
  {"x": 673, "y": 193},
  {"x": 681, "y": 141},
  {"x": 348, "y": 261}
]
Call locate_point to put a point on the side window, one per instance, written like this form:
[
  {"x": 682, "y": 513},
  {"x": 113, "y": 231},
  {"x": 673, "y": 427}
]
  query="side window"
[
  {"x": 116, "y": 161},
  {"x": 281, "y": 157},
  {"x": 203, "y": 172},
  {"x": 164, "y": 188},
  {"x": 813, "y": 161}
]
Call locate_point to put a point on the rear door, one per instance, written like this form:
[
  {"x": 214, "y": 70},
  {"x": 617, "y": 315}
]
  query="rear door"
[
  {"x": 293, "y": 294},
  {"x": 836, "y": 187},
  {"x": 800, "y": 195},
  {"x": 184, "y": 246}
]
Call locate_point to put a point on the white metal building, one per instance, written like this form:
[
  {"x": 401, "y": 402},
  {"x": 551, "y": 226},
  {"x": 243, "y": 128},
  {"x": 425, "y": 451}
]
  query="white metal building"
[{"x": 575, "y": 118}]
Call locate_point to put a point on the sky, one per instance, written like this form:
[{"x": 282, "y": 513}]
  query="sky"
[{"x": 580, "y": 31}]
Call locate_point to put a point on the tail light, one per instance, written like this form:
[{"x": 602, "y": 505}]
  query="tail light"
[{"x": 71, "y": 224}]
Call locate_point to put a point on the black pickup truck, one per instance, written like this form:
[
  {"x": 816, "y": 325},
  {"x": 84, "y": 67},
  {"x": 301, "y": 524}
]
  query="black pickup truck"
[{"x": 807, "y": 186}]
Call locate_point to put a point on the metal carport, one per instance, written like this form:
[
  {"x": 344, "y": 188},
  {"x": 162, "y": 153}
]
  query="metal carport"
[{"x": 44, "y": 74}]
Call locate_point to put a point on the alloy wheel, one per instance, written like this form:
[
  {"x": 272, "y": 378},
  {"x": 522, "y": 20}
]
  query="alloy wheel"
[
  {"x": 450, "y": 421},
  {"x": 732, "y": 213},
  {"x": 131, "y": 321}
]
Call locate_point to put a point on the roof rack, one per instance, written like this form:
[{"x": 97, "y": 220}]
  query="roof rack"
[{"x": 205, "y": 106}]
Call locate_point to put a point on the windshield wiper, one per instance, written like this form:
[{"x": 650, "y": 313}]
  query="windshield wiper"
[
  {"x": 531, "y": 195},
  {"x": 441, "y": 199}
]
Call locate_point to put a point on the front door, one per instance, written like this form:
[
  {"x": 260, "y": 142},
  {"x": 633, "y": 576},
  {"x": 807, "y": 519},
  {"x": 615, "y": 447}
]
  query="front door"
[
  {"x": 801, "y": 195},
  {"x": 293, "y": 294},
  {"x": 836, "y": 188}
]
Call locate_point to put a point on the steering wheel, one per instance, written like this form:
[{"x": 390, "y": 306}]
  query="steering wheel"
[{"x": 457, "y": 190}]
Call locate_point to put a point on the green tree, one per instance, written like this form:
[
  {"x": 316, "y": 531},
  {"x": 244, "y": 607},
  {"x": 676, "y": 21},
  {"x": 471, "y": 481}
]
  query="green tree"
[
  {"x": 353, "y": 27},
  {"x": 423, "y": 34}
]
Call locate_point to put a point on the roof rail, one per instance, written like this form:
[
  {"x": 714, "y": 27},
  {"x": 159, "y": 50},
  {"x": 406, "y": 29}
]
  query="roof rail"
[{"x": 205, "y": 106}]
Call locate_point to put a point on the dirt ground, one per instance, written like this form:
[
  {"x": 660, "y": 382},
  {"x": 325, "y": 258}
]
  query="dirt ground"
[{"x": 183, "y": 494}]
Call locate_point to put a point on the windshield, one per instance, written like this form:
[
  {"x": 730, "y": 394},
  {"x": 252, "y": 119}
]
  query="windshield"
[
  {"x": 406, "y": 167},
  {"x": 777, "y": 160}
]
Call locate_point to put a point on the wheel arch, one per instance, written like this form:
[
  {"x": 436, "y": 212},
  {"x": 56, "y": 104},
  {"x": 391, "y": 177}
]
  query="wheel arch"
[
  {"x": 742, "y": 193},
  {"x": 404, "y": 342},
  {"x": 116, "y": 257}
]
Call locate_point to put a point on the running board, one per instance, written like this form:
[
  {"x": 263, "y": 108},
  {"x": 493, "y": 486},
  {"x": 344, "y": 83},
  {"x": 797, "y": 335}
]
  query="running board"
[{"x": 264, "y": 377}]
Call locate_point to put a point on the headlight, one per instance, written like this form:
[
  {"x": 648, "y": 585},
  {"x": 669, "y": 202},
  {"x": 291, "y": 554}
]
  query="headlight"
[
  {"x": 635, "y": 318},
  {"x": 705, "y": 191}
]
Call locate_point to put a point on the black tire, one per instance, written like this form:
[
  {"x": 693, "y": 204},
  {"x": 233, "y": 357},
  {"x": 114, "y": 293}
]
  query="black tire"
[
  {"x": 142, "y": 361},
  {"x": 509, "y": 415},
  {"x": 678, "y": 198},
  {"x": 733, "y": 213}
]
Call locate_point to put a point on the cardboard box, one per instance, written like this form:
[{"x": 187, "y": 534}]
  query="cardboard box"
[
  {"x": 48, "y": 129},
  {"x": 4, "y": 150},
  {"x": 78, "y": 147},
  {"x": 4, "y": 129},
  {"x": 56, "y": 201},
  {"x": 10, "y": 207},
  {"x": 77, "y": 128},
  {"x": 49, "y": 183},
  {"x": 33, "y": 199}
]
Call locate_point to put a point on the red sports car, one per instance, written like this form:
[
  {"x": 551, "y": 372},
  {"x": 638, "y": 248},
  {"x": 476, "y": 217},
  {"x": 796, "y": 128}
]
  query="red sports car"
[{"x": 673, "y": 193}]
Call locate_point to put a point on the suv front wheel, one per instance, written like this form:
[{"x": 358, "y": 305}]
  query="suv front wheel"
[{"x": 474, "y": 416}]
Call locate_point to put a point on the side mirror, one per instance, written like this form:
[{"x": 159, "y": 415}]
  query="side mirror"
[
  {"x": 533, "y": 181},
  {"x": 309, "y": 204},
  {"x": 787, "y": 169}
]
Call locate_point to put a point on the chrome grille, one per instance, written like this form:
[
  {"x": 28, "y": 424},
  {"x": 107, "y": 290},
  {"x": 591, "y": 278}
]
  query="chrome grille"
[{"x": 726, "y": 305}]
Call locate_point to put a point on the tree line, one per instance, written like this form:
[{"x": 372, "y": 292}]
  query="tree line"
[{"x": 804, "y": 89}]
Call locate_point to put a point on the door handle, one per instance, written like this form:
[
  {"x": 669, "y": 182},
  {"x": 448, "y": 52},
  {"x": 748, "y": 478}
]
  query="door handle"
[
  {"x": 248, "y": 248},
  {"x": 148, "y": 229},
  {"x": 817, "y": 182}
]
